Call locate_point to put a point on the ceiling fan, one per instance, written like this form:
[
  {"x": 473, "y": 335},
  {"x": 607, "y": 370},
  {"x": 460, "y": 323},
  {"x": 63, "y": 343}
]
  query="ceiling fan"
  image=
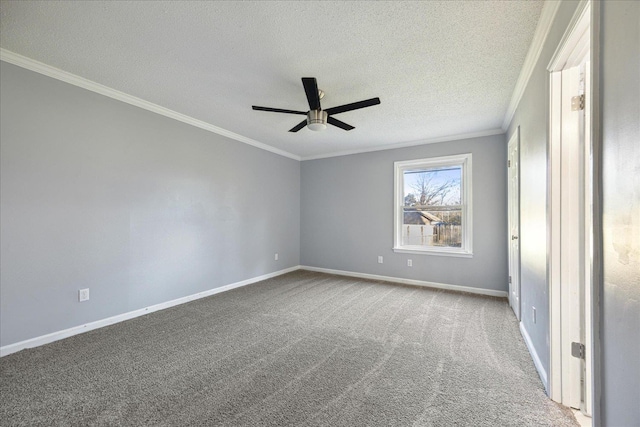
[{"x": 317, "y": 118}]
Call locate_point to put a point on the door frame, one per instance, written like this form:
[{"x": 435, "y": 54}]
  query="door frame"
[{"x": 582, "y": 32}]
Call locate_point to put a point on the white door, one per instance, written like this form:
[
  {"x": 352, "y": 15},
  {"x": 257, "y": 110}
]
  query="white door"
[
  {"x": 587, "y": 288},
  {"x": 571, "y": 234},
  {"x": 513, "y": 197}
]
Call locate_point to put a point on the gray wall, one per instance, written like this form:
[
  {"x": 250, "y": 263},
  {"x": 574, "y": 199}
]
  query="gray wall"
[
  {"x": 137, "y": 207},
  {"x": 347, "y": 215},
  {"x": 620, "y": 91},
  {"x": 532, "y": 116}
]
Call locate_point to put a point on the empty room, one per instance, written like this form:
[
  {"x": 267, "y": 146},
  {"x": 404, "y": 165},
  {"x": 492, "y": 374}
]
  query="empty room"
[{"x": 294, "y": 213}]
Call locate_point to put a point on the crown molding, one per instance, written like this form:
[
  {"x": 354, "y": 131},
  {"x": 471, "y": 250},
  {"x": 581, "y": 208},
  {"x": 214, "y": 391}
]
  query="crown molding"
[
  {"x": 547, "y": 16},
  {"x": 460, "y": 136},
  {"x": 56, "y": 73}
]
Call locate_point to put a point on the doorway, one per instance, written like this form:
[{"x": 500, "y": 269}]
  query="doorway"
[{"x": 513, "y": 197}]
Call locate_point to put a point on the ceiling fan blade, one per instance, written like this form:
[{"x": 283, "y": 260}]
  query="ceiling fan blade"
[
  {"x": 311, "y": 89},
  {"x": 338, "y": 123},
  {"x": 299, "y": 126},
  {"x": 278, "y": 110},
  {"x": 353, "y": 106}
]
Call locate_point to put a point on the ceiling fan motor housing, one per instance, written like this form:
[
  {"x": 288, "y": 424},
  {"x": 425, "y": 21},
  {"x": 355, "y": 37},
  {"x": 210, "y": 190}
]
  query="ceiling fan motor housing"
[{"x": 317, "y": 120}]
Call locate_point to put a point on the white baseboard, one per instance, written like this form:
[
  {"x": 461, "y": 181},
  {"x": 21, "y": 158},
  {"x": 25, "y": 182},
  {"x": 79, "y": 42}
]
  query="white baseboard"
[
  {"x": 534, "y": 355},
  {"x": 55, "y": 336},
  {"x": 458, "y": 288}
]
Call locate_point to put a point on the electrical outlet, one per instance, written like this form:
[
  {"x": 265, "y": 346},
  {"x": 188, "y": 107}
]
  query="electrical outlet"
[
  {"x": 380, "y": 259},
  {"x": 83, "y": 295},
  {"x": 409, "y": 263},
  {"x": 276, "y": 257},
  {"x": 534, "y": 315}
]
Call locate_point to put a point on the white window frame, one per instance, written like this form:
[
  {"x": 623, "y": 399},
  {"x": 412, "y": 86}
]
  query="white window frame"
[{"x": 464, "y": 160}]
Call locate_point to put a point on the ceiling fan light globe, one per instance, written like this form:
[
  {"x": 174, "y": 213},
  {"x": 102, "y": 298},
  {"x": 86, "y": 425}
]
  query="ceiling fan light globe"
[{"x": 317, "y": 126}]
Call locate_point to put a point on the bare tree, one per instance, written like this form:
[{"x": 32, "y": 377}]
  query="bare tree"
[{"x": 432, "y": 193}]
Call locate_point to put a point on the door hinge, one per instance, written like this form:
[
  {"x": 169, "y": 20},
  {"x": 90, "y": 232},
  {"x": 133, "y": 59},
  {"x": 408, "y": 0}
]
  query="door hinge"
[
  {"x": 508, "y": 163},
  {"x": 577, "y": 103},
  {"x": 577, "y": 350},
  {"x": 509, "y": 279}
]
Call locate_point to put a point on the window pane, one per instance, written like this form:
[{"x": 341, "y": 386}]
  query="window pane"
[
  {"x": 432, "y": 186},
  {"x": 432, "y": 214}
]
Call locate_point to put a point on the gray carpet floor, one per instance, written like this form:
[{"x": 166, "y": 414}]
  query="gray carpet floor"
[{"x": 302, "y": 349}]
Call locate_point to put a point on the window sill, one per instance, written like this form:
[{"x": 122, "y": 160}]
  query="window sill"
[{"x": 458, "y": 254}]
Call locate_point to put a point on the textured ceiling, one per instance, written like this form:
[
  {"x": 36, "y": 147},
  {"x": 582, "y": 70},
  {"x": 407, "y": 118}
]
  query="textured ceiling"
[{"x": 440, "y": 68}]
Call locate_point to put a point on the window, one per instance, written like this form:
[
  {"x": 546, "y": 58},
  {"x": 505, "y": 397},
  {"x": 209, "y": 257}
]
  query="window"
[{"x": 432, "y": 212}]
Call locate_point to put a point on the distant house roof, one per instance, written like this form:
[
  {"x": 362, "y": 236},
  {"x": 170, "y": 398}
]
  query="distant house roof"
[{"x": 420, "y": 218}]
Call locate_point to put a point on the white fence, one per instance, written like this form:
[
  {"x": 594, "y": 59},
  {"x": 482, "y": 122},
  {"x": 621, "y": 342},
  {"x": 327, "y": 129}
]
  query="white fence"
[{"x": 429, "y": 235}]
